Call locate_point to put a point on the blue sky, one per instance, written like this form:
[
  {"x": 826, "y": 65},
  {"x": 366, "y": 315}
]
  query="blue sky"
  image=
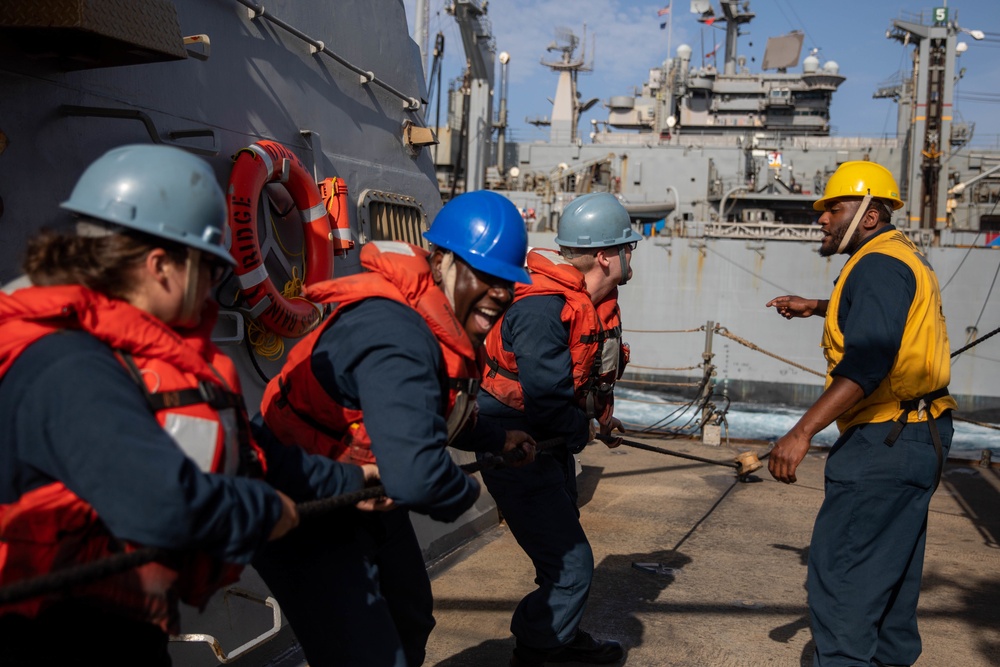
[{"x": 627, "y": 41}]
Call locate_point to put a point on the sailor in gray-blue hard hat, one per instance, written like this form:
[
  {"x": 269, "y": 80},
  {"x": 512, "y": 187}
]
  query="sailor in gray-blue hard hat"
[
  {"x": 165, "y": 193},
  {"x": 598, "y": 220},
  {"x": 159, "y": 190}
]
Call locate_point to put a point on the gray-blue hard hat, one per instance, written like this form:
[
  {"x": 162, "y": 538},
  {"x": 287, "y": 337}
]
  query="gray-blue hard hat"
[
  {"x": 596, "y": 220},
  {"x": 160, "y": 190}
]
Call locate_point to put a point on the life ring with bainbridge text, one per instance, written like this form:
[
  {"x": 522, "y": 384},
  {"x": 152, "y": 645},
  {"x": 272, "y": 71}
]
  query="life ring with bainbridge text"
[{"x": 254, "y": 167}]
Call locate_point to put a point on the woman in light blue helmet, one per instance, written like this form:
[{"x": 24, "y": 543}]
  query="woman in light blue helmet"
[{"x": 122, "y": 424}]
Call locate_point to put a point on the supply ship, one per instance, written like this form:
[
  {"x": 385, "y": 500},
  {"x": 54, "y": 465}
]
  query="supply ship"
[{"x": 719, "y": 167}]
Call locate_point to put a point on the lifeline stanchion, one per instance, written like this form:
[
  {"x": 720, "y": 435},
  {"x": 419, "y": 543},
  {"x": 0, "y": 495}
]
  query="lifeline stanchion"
[{"x": 106, "y": 567}]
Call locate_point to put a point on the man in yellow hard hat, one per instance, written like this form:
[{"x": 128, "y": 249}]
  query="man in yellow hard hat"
[{"x": 886, "y": 347}]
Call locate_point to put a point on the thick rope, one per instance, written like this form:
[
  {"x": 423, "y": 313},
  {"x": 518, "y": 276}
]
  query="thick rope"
[
  {"x": 668, "y": 452},
  {"x": 975, "y": 342},
  {"x": 79, "y": 574},
  {"x": 84, "y": 573}
]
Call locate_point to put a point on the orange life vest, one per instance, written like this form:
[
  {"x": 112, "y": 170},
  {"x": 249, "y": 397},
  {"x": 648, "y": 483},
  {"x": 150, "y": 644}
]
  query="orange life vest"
[
  {"x": 299, "y": 410},
  {"x": 193, "y": 390},
  {"x": 595, "y": 345}
]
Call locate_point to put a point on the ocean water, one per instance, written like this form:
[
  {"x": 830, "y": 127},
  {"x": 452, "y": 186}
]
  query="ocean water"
[{"x": 640, "y": 410}]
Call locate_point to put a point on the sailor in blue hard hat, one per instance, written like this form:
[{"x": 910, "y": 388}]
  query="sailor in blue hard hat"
[
  {"x": 391, "y": 375},
  {"x": 486, "y": 233}
]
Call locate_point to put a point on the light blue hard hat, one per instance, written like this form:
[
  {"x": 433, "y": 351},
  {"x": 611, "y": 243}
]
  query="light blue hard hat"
[
  {"x": 160, "y": 190},
  {"x": 597, "y": 220},
  {"x": 486, "y": 231}
]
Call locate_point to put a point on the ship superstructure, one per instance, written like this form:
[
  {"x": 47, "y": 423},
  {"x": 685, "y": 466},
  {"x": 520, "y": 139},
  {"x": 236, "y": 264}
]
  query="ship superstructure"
[{"x": 720, "y": 166}]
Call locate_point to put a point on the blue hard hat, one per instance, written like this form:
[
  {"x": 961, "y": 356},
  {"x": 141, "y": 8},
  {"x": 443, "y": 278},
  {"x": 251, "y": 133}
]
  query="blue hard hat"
[
  {"x": 160, "y": 190},
  {"x": 597, "y": 220},
  {"x": 486, "y": 231}
]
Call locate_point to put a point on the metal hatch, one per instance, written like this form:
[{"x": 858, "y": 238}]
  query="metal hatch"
[{"x": 68, "y": 35}]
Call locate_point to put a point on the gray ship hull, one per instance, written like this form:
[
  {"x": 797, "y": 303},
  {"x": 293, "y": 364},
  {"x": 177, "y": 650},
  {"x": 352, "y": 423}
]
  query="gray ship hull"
[
  {"x": 340, "y": 95},
  {"x": 681, "y": 283},
  {"x": 719, "y": 168}
]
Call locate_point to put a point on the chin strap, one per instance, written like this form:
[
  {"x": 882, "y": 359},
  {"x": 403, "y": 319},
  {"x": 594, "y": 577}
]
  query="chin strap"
[
  {"x": 621, "y": 258},
  {"x": 854, "y": 223},
  {"x": 449, "y": 274},
  {"x": 190, "y": 308}
]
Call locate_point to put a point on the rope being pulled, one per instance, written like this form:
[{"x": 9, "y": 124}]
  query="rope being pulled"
[
  {"x": 84, "y": 573},
  {"x": 659, "y": 450},
  {"x": 975, "y": 342},
  {"x": 314, "y": 508}
]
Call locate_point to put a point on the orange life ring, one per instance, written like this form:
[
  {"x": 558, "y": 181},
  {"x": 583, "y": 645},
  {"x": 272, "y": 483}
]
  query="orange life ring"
[{"x": 254, "y": 167}]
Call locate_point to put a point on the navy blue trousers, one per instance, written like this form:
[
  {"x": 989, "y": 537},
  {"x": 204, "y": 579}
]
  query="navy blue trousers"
[
  {"x": 539, "y": 504},
  {"x": 867, "y": 553},
  {"x": 354, "y": 589}
]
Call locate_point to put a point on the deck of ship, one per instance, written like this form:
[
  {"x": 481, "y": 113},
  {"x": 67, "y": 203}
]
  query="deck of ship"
[{"x": 730, "y": 591}]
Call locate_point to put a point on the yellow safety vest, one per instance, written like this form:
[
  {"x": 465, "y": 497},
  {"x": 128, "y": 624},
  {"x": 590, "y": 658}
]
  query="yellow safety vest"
[{"x": 923, "y": 364}]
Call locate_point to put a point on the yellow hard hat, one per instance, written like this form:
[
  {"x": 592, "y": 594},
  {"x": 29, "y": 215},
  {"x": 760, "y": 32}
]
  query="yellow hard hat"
[{"x": 859, "y": 178}]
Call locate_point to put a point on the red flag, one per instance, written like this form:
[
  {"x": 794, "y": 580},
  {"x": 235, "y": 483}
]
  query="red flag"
[
  {"x": 665, "y": 10},
  {"x": 710, "y": 21}
]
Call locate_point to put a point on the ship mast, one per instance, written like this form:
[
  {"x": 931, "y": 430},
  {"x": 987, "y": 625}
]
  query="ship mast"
[
  {"x": 928, "y": 135},
  {"x": 734, "y": 19},
  {"x": 480, "y": 51},
  {"x": 566, "y": 107}
]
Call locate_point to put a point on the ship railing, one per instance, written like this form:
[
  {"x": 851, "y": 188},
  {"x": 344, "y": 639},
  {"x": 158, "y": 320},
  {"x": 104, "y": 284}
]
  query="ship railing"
[
  {"x": 870, "y": 143},
  {"x": 699, "y": 412},
  {"x": 257, "y": 11},
  {"x": 697, "y": 140},
  {"x": 763, "y": 230}
]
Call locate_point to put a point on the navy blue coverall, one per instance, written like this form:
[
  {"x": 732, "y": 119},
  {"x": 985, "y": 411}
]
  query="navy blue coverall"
[
  {"x": 70, "y": 412},
  {"x": 359, "y": 594},
  {"x": 867, "y": 552},
  {"x": 539, "y": 501}
]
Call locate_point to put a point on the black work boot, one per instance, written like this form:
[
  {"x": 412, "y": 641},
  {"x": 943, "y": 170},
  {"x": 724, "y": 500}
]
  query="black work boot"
[{"x": 585, "y": 648}]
